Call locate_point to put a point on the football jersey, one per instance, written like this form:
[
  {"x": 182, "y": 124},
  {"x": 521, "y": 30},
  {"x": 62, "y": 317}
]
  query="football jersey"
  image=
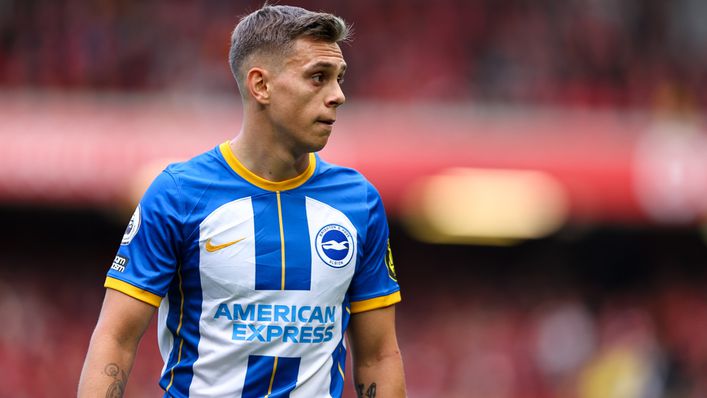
[{"x": 255, "y": 280}]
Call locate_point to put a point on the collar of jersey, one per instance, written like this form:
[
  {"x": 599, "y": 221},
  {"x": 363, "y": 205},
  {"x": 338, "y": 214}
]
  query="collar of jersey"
[{"x": 261, "y": 182}]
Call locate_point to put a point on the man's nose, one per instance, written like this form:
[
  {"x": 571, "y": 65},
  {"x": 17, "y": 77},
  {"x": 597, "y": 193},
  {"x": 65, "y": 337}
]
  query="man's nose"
[{"x": 336, "y": 97}]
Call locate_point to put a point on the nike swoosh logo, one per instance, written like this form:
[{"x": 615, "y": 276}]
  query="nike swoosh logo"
[{"x": 212, "y": 248}]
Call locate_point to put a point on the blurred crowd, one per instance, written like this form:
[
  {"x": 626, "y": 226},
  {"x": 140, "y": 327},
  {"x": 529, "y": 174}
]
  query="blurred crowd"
[
  {"x": 596, "y": 53},
  {"x": 609, "y": 316},
  {"x": 548, "y": 324},
  {"x": 474, "y": 343},
  {"x": 487, "y": 346}
]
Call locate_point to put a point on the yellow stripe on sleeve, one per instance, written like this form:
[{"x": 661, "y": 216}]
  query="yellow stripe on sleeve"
[
  {"x": 375, "y": 303},
  {"x": 133, "y": 291}
]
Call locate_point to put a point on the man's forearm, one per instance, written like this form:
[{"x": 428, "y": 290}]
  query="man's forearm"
[
  {"x": 381, "y": 378},
  {"x": 106, "y": 369},
  {"x": 111, "y": 353}
]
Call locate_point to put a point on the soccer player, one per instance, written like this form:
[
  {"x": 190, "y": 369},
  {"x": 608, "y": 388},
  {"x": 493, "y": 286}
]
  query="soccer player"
[{"x": 259, "y": 254}]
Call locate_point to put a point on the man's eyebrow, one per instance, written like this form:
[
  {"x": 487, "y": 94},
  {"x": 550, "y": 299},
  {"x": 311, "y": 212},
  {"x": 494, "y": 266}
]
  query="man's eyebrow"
[{"x": 326, "y": 64}]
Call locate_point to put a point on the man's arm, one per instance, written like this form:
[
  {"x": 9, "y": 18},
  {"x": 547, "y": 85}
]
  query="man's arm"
[
  {"x": 122, "y": 322},
  {"x": 377, "y": 364}
]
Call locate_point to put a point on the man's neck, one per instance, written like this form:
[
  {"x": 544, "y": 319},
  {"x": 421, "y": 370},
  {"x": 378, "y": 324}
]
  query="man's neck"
[{"x": 266, "y": 159}]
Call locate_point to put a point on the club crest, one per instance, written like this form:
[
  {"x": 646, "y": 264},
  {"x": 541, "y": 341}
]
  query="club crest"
[{"x": 335, "y": 245}]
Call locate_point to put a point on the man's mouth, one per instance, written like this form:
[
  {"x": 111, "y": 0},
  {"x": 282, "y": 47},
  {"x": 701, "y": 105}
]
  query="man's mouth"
[{"x": 329, "y": 122}]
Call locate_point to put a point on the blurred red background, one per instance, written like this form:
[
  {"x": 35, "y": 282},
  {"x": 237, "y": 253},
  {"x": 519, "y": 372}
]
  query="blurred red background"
[{"x": 583, "y": 121}]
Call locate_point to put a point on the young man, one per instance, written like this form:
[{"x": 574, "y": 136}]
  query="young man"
[{"x": 259, "y": 254}]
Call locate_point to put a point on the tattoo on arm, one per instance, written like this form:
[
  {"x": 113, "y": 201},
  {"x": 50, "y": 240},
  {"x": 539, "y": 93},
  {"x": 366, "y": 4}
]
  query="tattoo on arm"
[
  {"x": 369, "y": 393},
  {"x": 117, "y": 387}
]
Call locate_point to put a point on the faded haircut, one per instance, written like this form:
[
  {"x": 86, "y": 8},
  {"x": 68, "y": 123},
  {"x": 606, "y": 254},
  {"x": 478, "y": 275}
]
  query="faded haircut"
[{"x": 273, "y": 30}]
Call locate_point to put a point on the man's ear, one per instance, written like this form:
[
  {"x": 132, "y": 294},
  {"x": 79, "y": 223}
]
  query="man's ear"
[{"x": 258, "y": 85}]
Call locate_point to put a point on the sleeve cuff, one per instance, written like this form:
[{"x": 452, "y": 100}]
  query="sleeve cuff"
[
  {"x": 133, "y": 291},
  {"x": 375, "y": 303}
]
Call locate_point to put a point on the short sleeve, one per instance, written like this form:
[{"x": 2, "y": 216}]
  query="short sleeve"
[
  {"x": 374, "y": 284},
  {"x": 147, "y": 258}
]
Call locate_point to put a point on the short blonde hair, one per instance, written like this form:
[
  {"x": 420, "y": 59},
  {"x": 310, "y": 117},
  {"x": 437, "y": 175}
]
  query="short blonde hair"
[{"x": 273, "y": 29}]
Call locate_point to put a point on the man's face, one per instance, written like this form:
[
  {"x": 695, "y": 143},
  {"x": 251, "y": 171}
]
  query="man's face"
[{"x": 305, "y": 93}]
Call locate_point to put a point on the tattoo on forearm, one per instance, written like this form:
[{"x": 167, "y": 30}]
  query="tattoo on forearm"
[
  {"x": 117, "y": 387},
  {"x": 369, "y": 393}
]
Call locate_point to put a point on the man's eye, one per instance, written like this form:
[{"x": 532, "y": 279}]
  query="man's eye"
[
  {"x": 318, "y": 78},
  {"x": 340, "y": 79}
]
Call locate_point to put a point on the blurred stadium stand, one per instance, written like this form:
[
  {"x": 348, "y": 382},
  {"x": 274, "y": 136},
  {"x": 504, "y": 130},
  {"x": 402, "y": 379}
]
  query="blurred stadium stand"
[
  {"x": 584, "y": 53},
  {"x": 572, "y": 133}
]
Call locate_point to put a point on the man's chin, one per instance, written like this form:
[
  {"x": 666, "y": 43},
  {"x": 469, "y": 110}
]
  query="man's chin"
[{"x": 318, "y": 145}]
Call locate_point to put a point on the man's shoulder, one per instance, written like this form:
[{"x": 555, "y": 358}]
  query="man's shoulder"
[
  {"x": 207, "y": 166},
  {"x": 342, "y": 178},
  {"x": 331, "y": 171}
]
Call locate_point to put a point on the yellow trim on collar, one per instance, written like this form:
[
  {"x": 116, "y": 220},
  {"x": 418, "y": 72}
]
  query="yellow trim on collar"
[
  {"x": 375, "y": 303},
  {"x": 261, "y": 182},
  {"x": 133, "y": 291}
]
